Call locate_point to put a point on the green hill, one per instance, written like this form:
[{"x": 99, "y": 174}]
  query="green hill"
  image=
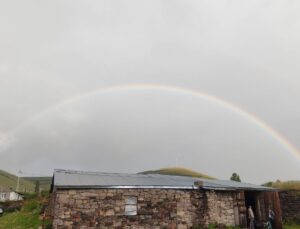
[
  {"x": 8, "y": 180},
  {"x": 284, "y": 185},
  {"x": 44, "y": 182},
  {"x": 177, "y": 171}
]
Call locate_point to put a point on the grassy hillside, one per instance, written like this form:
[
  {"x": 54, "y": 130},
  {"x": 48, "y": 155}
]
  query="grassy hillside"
[
  {"x": 9, "y": 180},
  {"x": 177, "y": 171},
  {"x": 284, "y": 185},
  {"x": 45, "y": 182},
  {"x": 28, "y": 216},
  {"x": 291, "y": 226},
  {"x": 24, "y": 219}
]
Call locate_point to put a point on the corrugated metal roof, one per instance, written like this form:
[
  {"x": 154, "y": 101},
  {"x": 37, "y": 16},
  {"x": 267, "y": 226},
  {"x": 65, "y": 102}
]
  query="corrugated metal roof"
[{"x": 80, "y": 179}]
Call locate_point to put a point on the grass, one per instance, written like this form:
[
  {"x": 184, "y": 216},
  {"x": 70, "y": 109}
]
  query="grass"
[
  {"x": 26, "y": 218},
  {"x": 44, "y": 182},
  {"x": 284, "y": 185},
  {"x": 20, "y": 220},
  {"x": 9, "y": 181},
  {"x": 177, "y": 171},
  {"x": 288, "y": 185},
  {"x": 214, "y": 226},
  {"x": 291, "y": 226}
]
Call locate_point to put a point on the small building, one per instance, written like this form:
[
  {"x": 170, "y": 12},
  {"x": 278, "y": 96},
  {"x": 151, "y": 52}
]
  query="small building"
[
  {"x": 9, "y": 195},
  {"x": 108, "y": 200}
]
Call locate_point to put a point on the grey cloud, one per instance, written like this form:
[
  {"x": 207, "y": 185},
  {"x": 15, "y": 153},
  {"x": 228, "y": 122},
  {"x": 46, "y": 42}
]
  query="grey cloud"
[
  {"x": 129, "y": 131},
  {"x": 246, "y": 53}
]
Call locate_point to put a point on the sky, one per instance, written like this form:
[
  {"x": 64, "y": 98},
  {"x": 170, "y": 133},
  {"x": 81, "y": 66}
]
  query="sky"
[{"x": 128, "y": 86}]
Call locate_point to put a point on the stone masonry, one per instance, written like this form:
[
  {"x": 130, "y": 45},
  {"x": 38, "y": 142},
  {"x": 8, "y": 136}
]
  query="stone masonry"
[
  {"x": 156, "y": 208},
  {"x": 220, "y": 208},
  {"x": 290, "y": 204}
]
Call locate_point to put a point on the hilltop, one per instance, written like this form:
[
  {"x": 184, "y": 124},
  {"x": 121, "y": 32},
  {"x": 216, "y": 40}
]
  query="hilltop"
[
  {"x": 8, "y": 180},
  {"x": 28, "y": 184},
  {"x": 44, "y": 182},
  {"x": 177, "y": 171},
  {"x": 284, "y": 185}
]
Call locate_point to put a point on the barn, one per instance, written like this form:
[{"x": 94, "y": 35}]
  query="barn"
[{"x": 112, "y": 200}]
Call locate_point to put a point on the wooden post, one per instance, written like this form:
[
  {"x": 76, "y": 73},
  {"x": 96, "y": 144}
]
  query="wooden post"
[
  {"x": 277, "y": 210},
  {"x": 272, "y": 199}
]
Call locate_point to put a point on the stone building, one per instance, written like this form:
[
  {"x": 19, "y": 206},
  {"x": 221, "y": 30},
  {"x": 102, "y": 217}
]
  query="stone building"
[
  {"x": 9, "y": 195},
  {"x": 106, "y": 200}
]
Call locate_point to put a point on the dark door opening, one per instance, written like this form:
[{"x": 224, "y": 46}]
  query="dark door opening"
[{"x": 250, "y": 200}]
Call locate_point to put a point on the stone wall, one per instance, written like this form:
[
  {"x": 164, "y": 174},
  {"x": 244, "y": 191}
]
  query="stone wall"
[
  {"x": 156, "y": 208},
  {"x": 290, "y": 205},
  {"x": 240, "y": 210},
  {"x": 220, "y": 208}
]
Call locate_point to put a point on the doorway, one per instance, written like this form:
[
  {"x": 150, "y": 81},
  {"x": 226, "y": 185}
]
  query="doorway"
[{"x": 250, "y": 200}]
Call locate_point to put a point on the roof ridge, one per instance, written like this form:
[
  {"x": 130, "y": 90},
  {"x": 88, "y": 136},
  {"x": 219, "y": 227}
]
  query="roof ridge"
[{"x": 76, "y": 178}]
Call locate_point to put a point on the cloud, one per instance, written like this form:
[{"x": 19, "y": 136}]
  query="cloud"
[
  {"x": 130, "y": 131},
  {"x": 247, "y": 53},
  {"x": 6, "y": 140}
]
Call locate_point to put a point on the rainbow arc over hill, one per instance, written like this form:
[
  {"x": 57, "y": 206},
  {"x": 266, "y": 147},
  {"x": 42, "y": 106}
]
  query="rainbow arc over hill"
[{"x": 184, "y": 91}]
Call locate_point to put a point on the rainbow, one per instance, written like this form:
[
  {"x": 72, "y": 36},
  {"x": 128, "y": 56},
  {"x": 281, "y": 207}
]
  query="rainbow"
[{"x": 174, "y": 89}]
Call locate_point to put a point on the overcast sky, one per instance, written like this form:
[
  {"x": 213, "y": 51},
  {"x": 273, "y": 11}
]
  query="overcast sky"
[{"x": 56, "y": 56}]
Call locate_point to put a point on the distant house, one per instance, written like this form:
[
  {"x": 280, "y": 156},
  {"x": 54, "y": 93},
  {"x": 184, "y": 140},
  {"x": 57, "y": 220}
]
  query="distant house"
[
  {"x": 107, "y": 200},
  {"x": 9, "y": 195}
]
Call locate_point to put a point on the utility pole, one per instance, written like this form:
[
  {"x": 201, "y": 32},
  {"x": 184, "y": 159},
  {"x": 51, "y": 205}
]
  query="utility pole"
[{"x": 18, "y": 180}]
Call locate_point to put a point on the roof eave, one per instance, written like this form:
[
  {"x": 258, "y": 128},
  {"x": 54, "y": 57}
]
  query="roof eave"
[
  {"x": 156, "y": 187},
  {"x": 123, "y": 187}
]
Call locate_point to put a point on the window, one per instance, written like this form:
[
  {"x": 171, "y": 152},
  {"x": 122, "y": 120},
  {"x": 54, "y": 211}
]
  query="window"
[{"x": 130, "y": 205}]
